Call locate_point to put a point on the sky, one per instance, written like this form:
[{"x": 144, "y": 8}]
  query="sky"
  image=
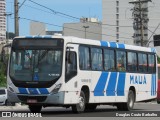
[{"x": 75, "y": 8}]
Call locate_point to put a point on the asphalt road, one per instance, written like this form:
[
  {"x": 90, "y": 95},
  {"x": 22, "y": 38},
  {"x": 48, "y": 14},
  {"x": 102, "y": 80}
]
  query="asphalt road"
[{"x": 101, "y": 111}]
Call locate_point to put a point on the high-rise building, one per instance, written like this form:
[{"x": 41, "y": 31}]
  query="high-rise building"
[
  {"x": 2, "y": 20},
  {"x": 116, "y": 21}
]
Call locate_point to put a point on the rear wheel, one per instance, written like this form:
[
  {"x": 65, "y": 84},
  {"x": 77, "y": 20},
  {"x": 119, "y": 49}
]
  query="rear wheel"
[
  {"x": 35, "y": 108},
  {"x": 158, "y": 101},
  {"x": 129, "y": 104},
  {"x": 80, "y": 107}
]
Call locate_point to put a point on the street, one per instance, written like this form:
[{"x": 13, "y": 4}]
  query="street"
[{"x": 101, "y": 111}]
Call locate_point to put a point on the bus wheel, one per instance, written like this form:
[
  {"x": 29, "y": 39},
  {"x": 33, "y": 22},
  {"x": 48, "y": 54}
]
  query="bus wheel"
[
  {"x": 130, "y": 102},
  {"x": 158, "y": 101},
  {"x": 80, "y": 107},
  {"x": 35, "y": 108}
]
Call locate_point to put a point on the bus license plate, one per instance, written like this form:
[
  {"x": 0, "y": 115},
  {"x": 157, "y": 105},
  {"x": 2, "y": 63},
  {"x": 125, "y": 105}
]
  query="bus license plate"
[{"x": 31, "y": 101}]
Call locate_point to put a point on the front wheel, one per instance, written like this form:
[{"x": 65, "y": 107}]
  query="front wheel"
[
  {"x": 35, "y": 108},
  {"x": 80, "y": 107}
]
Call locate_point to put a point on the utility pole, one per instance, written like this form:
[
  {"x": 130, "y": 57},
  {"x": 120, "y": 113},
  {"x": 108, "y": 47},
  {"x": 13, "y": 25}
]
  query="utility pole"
[
  {"x": 16, "y": 10},
  {"x": 140, "y": 20}
]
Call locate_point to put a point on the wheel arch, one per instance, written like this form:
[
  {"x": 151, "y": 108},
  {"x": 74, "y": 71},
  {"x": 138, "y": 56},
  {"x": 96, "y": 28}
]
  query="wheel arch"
[
  {"x": 134, "y": 91},
  {"x": 86, "y": 91}
]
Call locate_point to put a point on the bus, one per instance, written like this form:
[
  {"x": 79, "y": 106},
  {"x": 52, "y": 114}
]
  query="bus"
[
  {"x": 46, "y": 71},
  {"x": 158, "y": 91}
]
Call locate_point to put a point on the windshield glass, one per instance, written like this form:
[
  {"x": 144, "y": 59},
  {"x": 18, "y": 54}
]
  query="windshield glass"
[{"x": 36, "y": 65}]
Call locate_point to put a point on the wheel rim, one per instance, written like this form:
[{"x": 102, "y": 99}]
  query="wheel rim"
[{"x": 81, "y": 102}]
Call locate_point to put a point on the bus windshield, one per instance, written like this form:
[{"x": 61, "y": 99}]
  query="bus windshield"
[
  {"x": 36, "y": 61},
  {"x": 35, "y": 65}
]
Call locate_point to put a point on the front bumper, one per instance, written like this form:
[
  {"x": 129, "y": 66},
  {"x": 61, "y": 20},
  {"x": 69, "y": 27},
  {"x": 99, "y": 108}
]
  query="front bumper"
[{"x": 57, "y": 98}]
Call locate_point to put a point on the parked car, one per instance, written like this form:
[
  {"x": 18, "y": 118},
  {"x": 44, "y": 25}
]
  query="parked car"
[{"x": 3, "y": 96}]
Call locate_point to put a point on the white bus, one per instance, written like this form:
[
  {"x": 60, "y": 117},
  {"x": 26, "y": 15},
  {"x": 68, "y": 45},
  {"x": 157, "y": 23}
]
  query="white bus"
[{"x": 80, "y": 73}]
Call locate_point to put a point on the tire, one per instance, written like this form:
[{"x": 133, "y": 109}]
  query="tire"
[
  {"x": 158, "y": 101},
  {"x": 128, "y": 106},
  {"x": 35, "y": 108},
  {"x": 80, "y": 107},
  {"x": 90, "y": 107},
  {"x": 6, "y": 103}
]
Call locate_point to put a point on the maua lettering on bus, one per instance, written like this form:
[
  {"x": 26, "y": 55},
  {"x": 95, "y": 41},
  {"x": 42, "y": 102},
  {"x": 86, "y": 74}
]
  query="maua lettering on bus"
[{"x": 138, "y": 79}]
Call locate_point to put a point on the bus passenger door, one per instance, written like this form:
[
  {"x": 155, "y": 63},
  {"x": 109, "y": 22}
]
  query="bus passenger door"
[{"x": 71, "y": 74}]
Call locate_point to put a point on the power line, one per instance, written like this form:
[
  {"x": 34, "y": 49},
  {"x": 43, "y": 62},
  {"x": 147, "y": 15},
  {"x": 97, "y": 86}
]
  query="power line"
[
  {"x": 47, "y": 11},
  {"x": 55, "y": 12},
  {"x": 22, "y": 4},
  {"x": 70, "y": 28}
]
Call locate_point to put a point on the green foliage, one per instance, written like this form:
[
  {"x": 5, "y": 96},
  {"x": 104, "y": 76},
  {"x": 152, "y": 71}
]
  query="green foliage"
[{"x": 3, "y": 80}]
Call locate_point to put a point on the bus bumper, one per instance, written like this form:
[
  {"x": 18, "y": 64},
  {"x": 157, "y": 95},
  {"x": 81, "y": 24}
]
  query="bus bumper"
[{"x": 57, "y": 98}]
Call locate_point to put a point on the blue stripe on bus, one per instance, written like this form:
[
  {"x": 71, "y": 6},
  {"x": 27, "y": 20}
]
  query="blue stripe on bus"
[
  {"x": 121, "y": 46},
  {"x": 121, "y": 84},
  {"x": 155, "y": 84},
  {"x": 152, "y": 86},
  {"x": 22, "y": 90},
  {"x": 28, "y": 36},
  {"x": 43, "y": 91},
  {"x": 104, "y": 43},
  {"x": 33, "y": 91},
  {"x": 113, "y": 44},
  {"x": 153, "y": 50},
  {"x": 111, "y": 84},
  {"x": 99, "y": 89},
  {"x": 38, "y": 36},
  {"x": 48, "y": 36}
]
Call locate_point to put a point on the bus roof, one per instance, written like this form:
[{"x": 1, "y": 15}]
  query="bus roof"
[{"x": 95, "y": 42}]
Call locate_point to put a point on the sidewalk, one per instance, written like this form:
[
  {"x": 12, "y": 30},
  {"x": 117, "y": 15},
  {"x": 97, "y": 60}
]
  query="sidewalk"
[{"x": 17, "y": 107}]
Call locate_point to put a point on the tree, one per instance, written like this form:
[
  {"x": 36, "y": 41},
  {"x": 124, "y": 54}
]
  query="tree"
[{"x": 11, "y": 35}]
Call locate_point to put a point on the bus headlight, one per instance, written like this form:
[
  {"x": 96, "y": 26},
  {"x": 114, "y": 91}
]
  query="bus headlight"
[
  {"x": 56, "y": 89},
  {"x": 11, "y": 89}
]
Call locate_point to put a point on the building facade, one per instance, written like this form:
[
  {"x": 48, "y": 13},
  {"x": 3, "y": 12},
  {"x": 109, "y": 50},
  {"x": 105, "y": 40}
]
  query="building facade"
[
  {"x": 37, "y": 28},
  {"x": 2, "y": 20},
  {"x": 89, "y": 28},
  {"x": 116, "y": 21}
]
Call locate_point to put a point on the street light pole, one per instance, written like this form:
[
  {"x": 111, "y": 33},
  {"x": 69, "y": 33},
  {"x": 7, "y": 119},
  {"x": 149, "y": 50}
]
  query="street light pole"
[{"x": 85, "y": 27}]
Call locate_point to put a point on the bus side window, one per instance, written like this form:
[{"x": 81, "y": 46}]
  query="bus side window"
[{"x": 71, "y": 65}]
